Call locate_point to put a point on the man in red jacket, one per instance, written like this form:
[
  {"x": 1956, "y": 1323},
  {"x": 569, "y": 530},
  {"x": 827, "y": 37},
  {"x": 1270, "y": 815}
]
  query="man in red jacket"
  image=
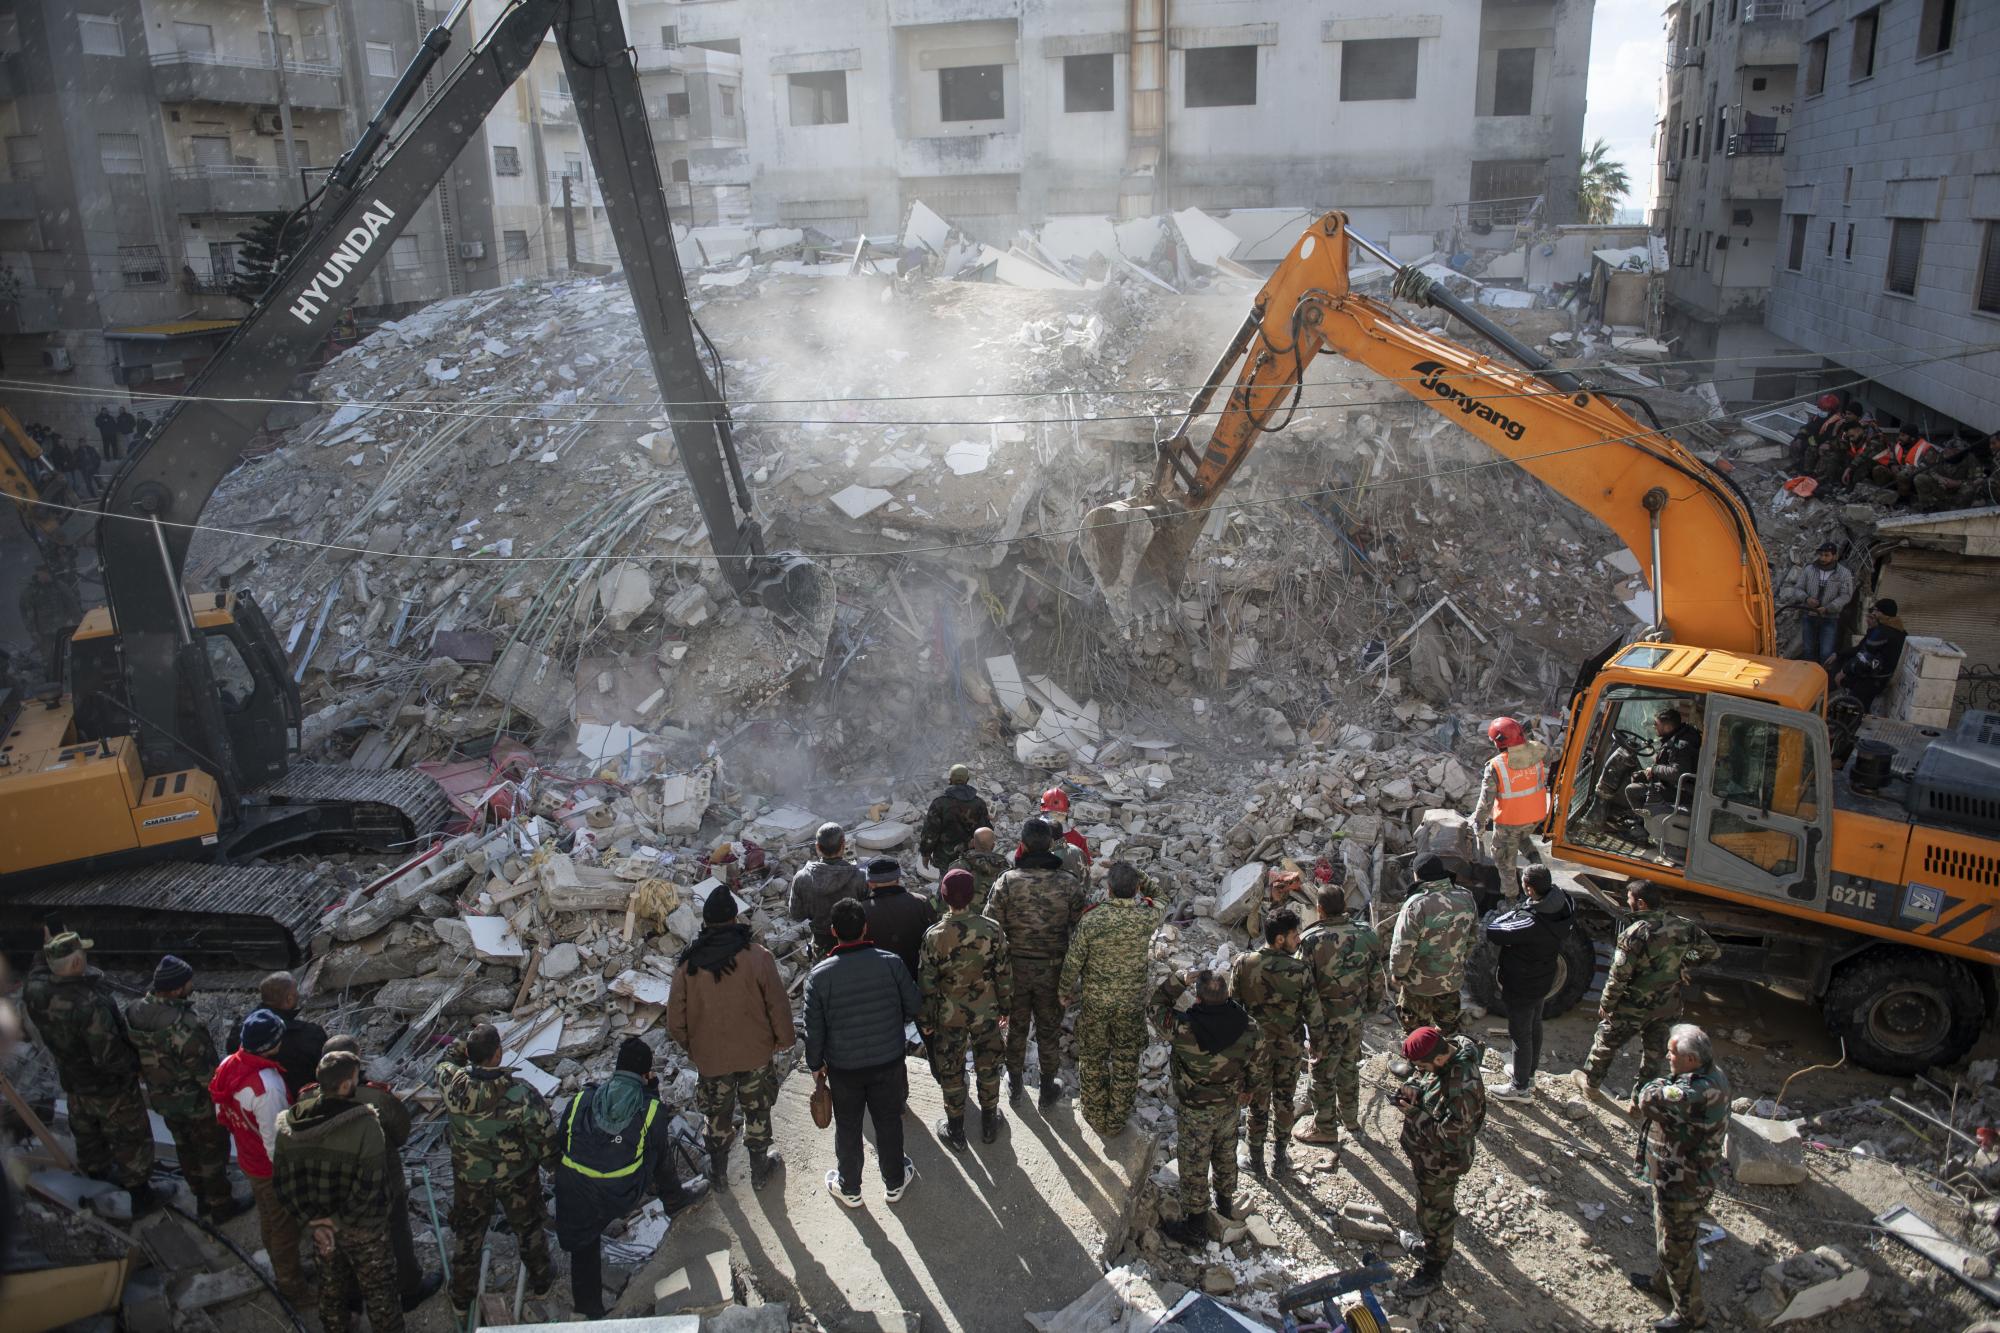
[{"x": 249, "y": 1093}]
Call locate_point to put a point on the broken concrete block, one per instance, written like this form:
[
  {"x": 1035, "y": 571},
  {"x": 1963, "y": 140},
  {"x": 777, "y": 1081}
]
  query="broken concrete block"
[
  {"x": 534, "y": 683},
  {"x": 857, "y": 501},
  {"x": 688, "y": 607},
  {"x": 417, "y": 994},
  {"x": 787, "y": 824},
  {"x": 624, "y": 591},
  {"x": 1766, "y": 1152},
  {"x": 562, "y": 961},
  {"x": 1807, "y": 1285},
  {"x": 684, "y": 799},
  {"x": 882, "y": 835},
  {"x": 749, "y": 1319},
  {"x": 1243, "y": 888},
  {"x": 1119, "y": 1302},
  {"x": 1261, "y": 1231}
]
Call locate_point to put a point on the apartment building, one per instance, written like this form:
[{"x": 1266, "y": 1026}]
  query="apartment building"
[
  {"x": 1889, "y": 247},
  {"x": 1412, "y": 116},
  {"x": 1728, "y": 99}
]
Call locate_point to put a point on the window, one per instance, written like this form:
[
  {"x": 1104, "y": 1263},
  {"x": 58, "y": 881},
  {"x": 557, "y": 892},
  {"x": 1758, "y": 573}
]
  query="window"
[
  {"x": 677, "y": 170},
  {"x": 1816, "y": 65},
  {"x": 1221, "y": 76},
  {"x": 233, "y": 677},
  {"x": 677, "y": 104},
  {"x": 1862, "y": 65},
  {"x": 142, "y": 266},
  {"x": 404, "y": 256},
  {"x": 670, "y": 34},
  {"x": 210, "y": 150},
  {"x": 285, "y": 43},
  {"x": 1762, "y": 769},
  {"x": 195, "y": 38},
  {"x": 1686, "y": 130},
  {"x": 562, "y": 85},
  {"x": 972, "y": 92},
  {"x": 102, "y": 36},
  {"x": 120, "y": 155},
  {"x": 1758, "y": 85},
  {"x": 819, "y": 99},
  {"x": 1986, "y": 298},
  {"x": 1382, "y": 70},
  {"x": 1849, "y": 253},
  {"x": 1830, "y": 229},
  {"x": 1087, "y": 83},
  {"x": 1934, "y": 29},
  {"x": 1906, "y": 249},
  {"x": 506, "y": 160},
  {"x": 726, "y": 93},
  {"x": 1847, "y": 188},
  {"x": 24, "y": 156},
  {"x": 1698, "y": 122},
  {"x": 1796, "y": 259},
  {"x": 1707, "y": 251},
  {"x": 1708, "y": 24},
  {"x": 1513, "y": 81},
  {"x": 302, "y": 155},
  {"x": 381, "y": 60},
  {"x": 515, "y": 244},
  {"x": 223, "y": 259}
]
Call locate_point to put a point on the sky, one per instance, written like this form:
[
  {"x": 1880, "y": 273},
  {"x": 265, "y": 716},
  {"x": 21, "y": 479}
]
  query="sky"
[{"x": 1628, "y": 47}]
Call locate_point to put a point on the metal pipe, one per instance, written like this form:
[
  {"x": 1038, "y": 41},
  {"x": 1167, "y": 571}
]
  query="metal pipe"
[
  {"x": 181, "y": 619},
  {"x": 1656, "y": 503},
  {"x": 355, "y": 160}
]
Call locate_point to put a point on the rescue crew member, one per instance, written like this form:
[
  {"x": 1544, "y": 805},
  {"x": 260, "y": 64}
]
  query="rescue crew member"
[{"x": 1514, "y": 795}]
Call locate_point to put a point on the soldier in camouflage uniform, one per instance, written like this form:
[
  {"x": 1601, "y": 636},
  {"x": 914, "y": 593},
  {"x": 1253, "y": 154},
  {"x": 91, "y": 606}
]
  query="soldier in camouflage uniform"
[
  {"x": 1435, "y": 934},
  {"x": 1037, "y": 905},
  {"x": 329, "y": 1170},
  {"x": 500, "y": 1135},
  {"x": 1642, "y": 992},
  {"x": 72, "y": 1009},
  {"x": 177, "y": 1056},
  {"x": 1275, "y": 986},
  {"x": 1105, "y": 970},
  {"x": 1443, "y": 1106},
  {"x": 967, "y": 983},
  {"x": 949, "y": 823},
  {"x": 1345, "y": 955},
  {"x": 985, "y": 864},
  {"x": 1687, "y": 1115},
  {"x": 1214, "y": 1048}
]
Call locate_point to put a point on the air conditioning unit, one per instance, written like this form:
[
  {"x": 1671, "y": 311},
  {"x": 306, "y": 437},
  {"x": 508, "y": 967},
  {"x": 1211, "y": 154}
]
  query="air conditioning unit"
[
  {"x": 131, "y": 375},
  {"x": 267, "y": 122},
  {"x": 57, "y": 358},
  {"x": 470, "y": 250},
  {"x": 169, "y": 370}
]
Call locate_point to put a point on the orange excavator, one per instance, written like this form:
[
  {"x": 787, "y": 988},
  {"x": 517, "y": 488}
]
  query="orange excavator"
[{"x": 1870, "y": 885}]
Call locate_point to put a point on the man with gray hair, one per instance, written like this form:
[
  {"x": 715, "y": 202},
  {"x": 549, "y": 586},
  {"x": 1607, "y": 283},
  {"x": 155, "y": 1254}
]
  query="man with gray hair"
[
  {"x": 1686, "y": 1115},
  {"x": 304, "y": 1042},
  {"x": 824, "y": 881}
]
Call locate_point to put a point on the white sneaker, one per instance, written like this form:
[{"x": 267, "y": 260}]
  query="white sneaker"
[
  {"x": 909, "y": 1174},
  {"x": 833, "y": 1188},
  {"x": 1507, "y": 1092}
]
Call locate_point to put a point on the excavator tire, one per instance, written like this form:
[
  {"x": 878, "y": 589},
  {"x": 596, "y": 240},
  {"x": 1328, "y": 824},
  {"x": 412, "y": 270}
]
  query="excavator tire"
[
  {"x": 1901, "y": 1010},
  {"x": 1575, "y": 967}
]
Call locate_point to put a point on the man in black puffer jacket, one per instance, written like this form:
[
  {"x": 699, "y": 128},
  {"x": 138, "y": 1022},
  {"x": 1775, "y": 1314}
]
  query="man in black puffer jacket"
[
  {"x": 897, "y": 918},
  {"x": 1529, "y": 939},
  {"x": 858, "y": 1003}
]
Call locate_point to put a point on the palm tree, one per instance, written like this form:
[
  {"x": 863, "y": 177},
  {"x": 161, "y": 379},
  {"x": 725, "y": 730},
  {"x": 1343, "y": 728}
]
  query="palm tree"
[{"x": 1602, "y": 184}]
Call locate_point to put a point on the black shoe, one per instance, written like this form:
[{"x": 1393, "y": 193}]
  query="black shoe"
[
  {"x": 951, "y": 1132},
  {"x": 1281, "y": 1161},
  {"x": 689, "y": 1196},
  {"x": 1225, "y": 1207},
  {"x": 1427, "y": 1279},
  {"x": 1643, "y": 1282},
  {"x": 1013, "y": 1088},
  {"x": 145, "y": 1199},
  {"x": 238, "y": 1205},
  {"x": 1189, "y": 1231},
  {"x": 989, "y": 1125},
  {"x": 1051, "y": 1092},
  {"x": 762, "y": 1164},
  {"x": 425, "y": 1290},
  {"x": 539, "y": 1290},
  {"x": 1257, "y": 1160},
  {"x": 718, "y": 1161}
]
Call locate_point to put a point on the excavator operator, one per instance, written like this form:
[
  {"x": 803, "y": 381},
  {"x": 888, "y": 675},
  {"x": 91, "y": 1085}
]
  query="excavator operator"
[{"x": 1679, "y": 755}]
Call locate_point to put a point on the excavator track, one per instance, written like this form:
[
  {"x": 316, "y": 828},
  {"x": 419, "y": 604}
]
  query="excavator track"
[{"x": 414, "y": 796}]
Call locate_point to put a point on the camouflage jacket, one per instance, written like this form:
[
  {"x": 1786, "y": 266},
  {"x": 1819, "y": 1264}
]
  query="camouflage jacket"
[
  {"x": 1435, "y": 934},
  {"x": 81, "y": 1026},
  {"x": 1346, "y": 959},
  {"x": 1108, "y": 954},
  {"x": 985, "y": 868},
  {"x": 499, "y": 1125},
  {"x": 1645, "y": 976},
  {"x": 330, "y": 1161},
  {"x": 1277, "y": 989},
  {"x": 1686, "y": 1118},
  {"x": 176, "y": 1054},
  {"x": 957, "y": 812},
  {"x": 1439, "y": 1132},
  {"x": 965, "y": 976},
  {"x": 1204, "y": 1078},
  {"x": 1038, "y": 904}
]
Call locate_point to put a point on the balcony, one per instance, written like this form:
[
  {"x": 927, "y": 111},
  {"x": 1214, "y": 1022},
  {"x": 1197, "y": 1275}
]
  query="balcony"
[
  {"x": 1754, "y": 177},
  {"x": 202, "y": 278},
  {"x": 667, "y": 128},
  {"x": 204, "y": 76},
  {"x": 1773, "y": 11},
  {"x": 233, "y": 189},
  {"x": 654, "y": 58},
  {"x": 959, "y": 155},
  {"x": 1495, "y": 212},
  {"x": 719, "y": 166},
  {"x": 1757, "y": 145},
  {"x": 20, "y": 198},
  {"x": 558, "y": 109},
  {"x": 1686, "y": 57}
]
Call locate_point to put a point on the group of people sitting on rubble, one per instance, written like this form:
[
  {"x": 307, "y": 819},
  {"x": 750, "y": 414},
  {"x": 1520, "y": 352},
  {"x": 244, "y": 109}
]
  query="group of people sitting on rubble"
[{"x": 1843, "y": 448}]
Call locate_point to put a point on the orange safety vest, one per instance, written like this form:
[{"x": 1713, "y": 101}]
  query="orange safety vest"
[
  {"x": 1913, "y": 455},
  {"x": 1523, "y": 792}
]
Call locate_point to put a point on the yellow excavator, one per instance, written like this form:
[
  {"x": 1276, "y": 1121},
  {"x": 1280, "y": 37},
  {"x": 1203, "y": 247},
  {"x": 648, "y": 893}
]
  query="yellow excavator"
[{"x": 1870, "y": 885}]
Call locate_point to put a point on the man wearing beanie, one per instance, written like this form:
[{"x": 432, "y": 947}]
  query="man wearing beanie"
[
  {"x": 897, "y": 918},
  {"x": 824, "y": 881},
  {"x": 1037, "y": 904},
  {"x": 1435, "y": 933},
  {"x": 967, "y": 983},
  {"x": 728, "y": 1009},
  {"x": 951, "y": 818},
  {"x": 1105, "y": 973},
  {"x": 1443, "y": 1106},
  {"x": 249, "y": 1095},
  {"x": 613, "y": 1147},
  {"x": 177, "y": 1057},
  {"x": 1213, "y": 1047}
]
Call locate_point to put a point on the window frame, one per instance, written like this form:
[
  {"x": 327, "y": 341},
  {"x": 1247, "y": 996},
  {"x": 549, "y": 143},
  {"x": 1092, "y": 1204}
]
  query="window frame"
[
  {"x": 1937, "y": 25},
  {"x": 387, "y": 50},
  {"x": 1816, "y": 54},
  {"x": 725, "y": 95},
  {"x": 1916, "y": 262},
  {"x": 1528, "y": 107},
  {"x": 138, "y": 157},
  {"x": 819, "y": 89},
  {"x": 1073, "y": 85},
  {"x": 507, "y": 250},
  {"x": 1795, "y": 247},
  {"x": 1376, "y": 66},
  {"x": 181, "y": 29},
  {"x": 101, "y": 23},
  {"x": 401, "y": 246},
  {"x": 1872, "y": 18},
  {"x": 1203, "y": 56},
  {"x": 1988, "y": 273},
  {"x": 510, "y": 164},
  {"x": 958, "y": 82}
]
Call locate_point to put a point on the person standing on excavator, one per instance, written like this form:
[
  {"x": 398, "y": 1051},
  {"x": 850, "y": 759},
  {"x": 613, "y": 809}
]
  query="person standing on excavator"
[
  {"x": 1513, "y": 795},
  {"x": 951, "y": 819}
]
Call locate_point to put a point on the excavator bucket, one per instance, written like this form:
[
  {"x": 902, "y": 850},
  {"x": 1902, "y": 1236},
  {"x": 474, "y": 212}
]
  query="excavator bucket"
[{"x": 1137, "y": 551}]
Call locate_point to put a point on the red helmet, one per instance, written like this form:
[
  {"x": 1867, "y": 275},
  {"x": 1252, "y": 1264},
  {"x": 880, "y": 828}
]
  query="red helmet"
[
  {"x": 1055, "y": 798},
  {"x": 1829, "y": 402},
  {"x": 1505, "y": 733}
]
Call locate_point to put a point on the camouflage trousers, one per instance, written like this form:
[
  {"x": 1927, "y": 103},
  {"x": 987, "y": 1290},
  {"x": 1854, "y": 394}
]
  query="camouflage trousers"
[
  {"x": 1509, "y": 841},
  {"x": 1207, "y": 1152},
  {"x": 1037, "y": 999},
  {"x": 1439, "y": 1011},
  {"x": 1274, "y": 1082},
  {"x": 362, "y": 1261},
  {"x": 1437, "y": 1210},
  {"x": 1336, "y": 1074},
  {"x": 717, "y": 1098},
  {"x": 114, "y": 1141},
  {"x": 947, "y": 1048},
  {"x": 1677, "y": 1240},
  {"x": 202, "y": 1146},
  {"x": 527, "y": 1212},
  {"x": 1109, "y": 1040},
  {"x": 1615, "y": 1031}
]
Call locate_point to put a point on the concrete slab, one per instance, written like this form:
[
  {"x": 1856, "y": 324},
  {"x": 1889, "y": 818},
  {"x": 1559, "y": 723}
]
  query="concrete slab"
[{"x": 1058, "y": 1193}]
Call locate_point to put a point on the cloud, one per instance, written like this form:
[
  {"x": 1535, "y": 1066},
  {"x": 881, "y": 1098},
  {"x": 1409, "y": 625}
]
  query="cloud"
[{"x": 1628, "y": 51}]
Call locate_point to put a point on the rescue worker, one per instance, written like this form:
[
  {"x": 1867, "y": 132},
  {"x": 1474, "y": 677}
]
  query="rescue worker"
[
  {"x": 499, "y": 1132},
  {"x": 1899, "y": 461},
  {"x": 897, "y": 918},
  {"x": 327, "y": 1168},
  {"x": 1276, "y": 988},
  {"x": 1444, "y": 1107},
  {"x": 1435, "y": 934},
  {"x": 71, "y": 1007},
  {"x": 413, "y": 1285},
  {"x": 50, "y": 611},
  {"x": 304, "y": 1041},
  {"x": 984, "y": 863},
  {"x": 824, "y": 881},
  {"x": 1678, "y": 756},
  {"x": 966, "y": 980},
  {"x": 1514, "y": 795},
  {"x": 1213, "y": 1047},
  {"x": 1821, "y": 589},
  {"x": 1958, "y": 480},
  {"x": 249, "y": 1095},
  {"x": 177, "y": 1056},
  {"x": 1072, "y": 846},
  {"x": 613, "y": 1148},
  {"x": 1104, "y": 971},
  {"x": 1037, "y": 904},
  {"x": 1686, "y": 1115},
  {"x": 951, "y": 818},
  {"x": 1642, "y": 991},
  {"x": 1346, "y": 957}
]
